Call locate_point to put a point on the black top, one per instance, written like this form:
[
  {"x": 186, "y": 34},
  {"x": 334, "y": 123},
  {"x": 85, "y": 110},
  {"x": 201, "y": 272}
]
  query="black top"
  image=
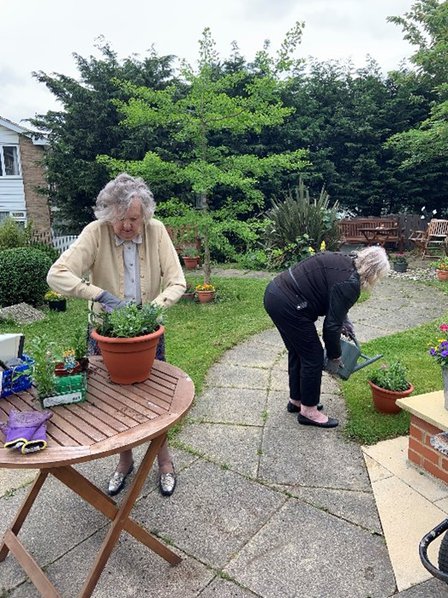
[{"x": 330, "y": 285}]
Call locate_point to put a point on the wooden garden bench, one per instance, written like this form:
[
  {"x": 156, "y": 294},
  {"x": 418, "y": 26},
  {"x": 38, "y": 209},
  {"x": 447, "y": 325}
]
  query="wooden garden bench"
[
  {"x": 371, "y": 231},
  {"x": 435, "y": 237}
]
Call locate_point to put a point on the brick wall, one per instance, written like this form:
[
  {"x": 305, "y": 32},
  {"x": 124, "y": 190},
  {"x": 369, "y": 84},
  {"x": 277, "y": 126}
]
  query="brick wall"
[
  {"x": 33, "y": 176},
  {"x": 422, "y": 453}
]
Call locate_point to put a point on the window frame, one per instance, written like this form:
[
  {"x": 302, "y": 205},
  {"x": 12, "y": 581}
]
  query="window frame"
[{"x": 3, "y": 174}]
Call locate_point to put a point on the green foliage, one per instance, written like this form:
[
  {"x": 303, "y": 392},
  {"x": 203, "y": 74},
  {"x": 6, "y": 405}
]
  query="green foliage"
[
  {"x": 41, "y": 349},
  {"x": 390, "y": 377},
  {"x": 50, "y": 251},
  {"x": 298, "y": 223},
  {"x": 23, "y": 276},
  {"x": 12, "y": 234},
  {"x": 78, "y": 341},
  {"x": 129, "y": 321}
]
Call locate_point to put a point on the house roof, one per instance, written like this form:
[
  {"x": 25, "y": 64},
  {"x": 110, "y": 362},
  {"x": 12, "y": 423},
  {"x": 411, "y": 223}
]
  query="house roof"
[{"x": 36, "y": 138}]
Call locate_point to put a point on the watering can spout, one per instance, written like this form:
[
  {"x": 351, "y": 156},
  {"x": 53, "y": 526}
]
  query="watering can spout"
[{"x": 350, "y": 356}]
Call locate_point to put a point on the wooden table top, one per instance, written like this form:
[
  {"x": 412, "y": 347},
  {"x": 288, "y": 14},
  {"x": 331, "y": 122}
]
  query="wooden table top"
[{"x": 113, "y": 418}]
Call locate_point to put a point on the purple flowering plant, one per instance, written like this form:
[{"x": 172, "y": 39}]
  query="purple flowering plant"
[{"x": 440, "y": 350}]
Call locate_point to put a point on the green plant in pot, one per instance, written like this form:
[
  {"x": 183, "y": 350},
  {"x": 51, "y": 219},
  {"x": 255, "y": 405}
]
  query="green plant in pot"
[
  {"x": 56, "y": 301},
  {"x": 190, "y": 256},
  {"x": 389, "y": 383},
  {"x": 127, "y": 338},
  {"x": 399, "y": 262},
  {"x": 441, "y": 266}
]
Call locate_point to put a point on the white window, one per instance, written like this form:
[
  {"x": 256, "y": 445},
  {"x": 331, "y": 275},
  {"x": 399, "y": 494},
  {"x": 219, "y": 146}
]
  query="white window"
[{"x": 9, "y": 160}]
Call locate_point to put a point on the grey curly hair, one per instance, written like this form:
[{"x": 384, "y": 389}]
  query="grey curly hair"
[
  {"x": 372, "y": 265},
  {"x": 114, "y": 199}
]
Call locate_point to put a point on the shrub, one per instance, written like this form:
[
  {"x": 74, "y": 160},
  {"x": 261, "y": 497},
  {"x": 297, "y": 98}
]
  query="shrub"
[
  {"x": 12, "y": 234},
  {"x": 49, "y": 250},
  {"x": 23, "y": 273},
  {"x": 300, "y": 218}
]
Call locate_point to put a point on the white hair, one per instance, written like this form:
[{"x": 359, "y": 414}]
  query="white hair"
[
  {"x": 114, "y": 199},
  {"x": 372, "y": 265}
]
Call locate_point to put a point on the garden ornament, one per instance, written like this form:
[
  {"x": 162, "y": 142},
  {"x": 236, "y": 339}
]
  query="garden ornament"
[
  {"x": 350, "y": 353},
  {"x": 26, "y": 430},
  {"x": 109, "y": 302}
]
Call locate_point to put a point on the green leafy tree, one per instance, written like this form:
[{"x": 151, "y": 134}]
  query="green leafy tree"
[
  {"x": 424, "y": 148},
  {"x": 88, "y": 125},
  {"x": 204, "y": 110}
]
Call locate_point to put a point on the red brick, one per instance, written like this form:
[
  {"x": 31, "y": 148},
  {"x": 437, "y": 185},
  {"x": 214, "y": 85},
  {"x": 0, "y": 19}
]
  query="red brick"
[
  {"x": 415, "y": 457},
  {"x": 426, "y": 452},
  {"x": 444, "y": 463},
  {"x": 417, "y": 433},
  {"x": 435, "y": 471},
  {"x": 420, "y": 423}
]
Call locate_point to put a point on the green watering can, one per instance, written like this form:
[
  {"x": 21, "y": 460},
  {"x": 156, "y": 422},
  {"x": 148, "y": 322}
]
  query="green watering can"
[{"x": 351, "y": 353}]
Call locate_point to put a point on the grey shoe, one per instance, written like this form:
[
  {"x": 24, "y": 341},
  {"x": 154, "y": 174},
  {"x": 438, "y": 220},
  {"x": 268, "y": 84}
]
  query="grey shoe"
[
  {"x": 117, "y": 481},
  {"x": 167, "y": 483}
]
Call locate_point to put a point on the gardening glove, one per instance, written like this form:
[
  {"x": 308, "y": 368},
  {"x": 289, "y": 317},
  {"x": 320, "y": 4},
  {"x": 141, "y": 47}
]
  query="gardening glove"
[
  {"x": 109, "y": 302},
  {"x": 26, "y": 427},
  {"x": 348, "y": 329},
  {"x": 333, "y": 365}
]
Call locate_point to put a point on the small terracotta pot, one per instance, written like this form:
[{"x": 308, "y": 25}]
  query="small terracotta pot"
[
  {"x": 188, "y": 296},
  {"x": 128, "y": 360},
  {"x": 191, "y": 262},
  {"x": 205, "y": 296},
  {"x": 384, "y": 400},
  {"x": 442, "y": 274}
]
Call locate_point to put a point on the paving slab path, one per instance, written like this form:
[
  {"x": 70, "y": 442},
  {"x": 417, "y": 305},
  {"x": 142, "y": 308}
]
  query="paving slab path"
[{"x": 264, "y": 507}]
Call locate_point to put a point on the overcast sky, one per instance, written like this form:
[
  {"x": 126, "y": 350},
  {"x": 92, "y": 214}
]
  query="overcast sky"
[{"x": 43, "y": 34}]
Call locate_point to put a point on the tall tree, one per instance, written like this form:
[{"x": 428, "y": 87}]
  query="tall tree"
[
  {"x": 88, "y": 125},
  {"x": 208, "y": 109}
]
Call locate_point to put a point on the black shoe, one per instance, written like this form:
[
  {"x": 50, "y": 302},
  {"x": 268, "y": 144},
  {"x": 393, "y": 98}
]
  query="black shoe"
[
  {"x": 306, "y": 421},
  {"x": 117, "y": 482},
  {"x": 291, "y": 408}
]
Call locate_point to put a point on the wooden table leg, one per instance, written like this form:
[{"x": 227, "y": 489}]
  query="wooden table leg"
[
  {"x": 122, "y": 517},
  {"x": 23, "y": 512}
]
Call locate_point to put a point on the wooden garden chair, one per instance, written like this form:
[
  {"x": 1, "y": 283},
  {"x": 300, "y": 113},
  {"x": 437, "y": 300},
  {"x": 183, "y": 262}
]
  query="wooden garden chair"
[{"x": 434, "y": 238}]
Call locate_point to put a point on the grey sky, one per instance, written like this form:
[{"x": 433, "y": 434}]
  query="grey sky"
[{"x": 43, "y": 35}]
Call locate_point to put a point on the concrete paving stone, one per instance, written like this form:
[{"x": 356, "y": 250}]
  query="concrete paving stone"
[
  {"x": 375, "y": 470},
  {"x": 270, "y": 337},
  {"x": 303, "y": 551},
  {"x": 58, "y": 520},
  {"x": 312, "y": 457},
  {"x": 250, "y": 354},
  {"x": 356, "y": 507},
  {"x": 433, "y": 588},
  {"x": 13, "y": 479},
  {"x": 236, "y": 447},
  {"x": 221, "y": 588},
  {"x": 132, "y": 570},
  {"x": 213, "y": 514},
  {"x": 278, "y": 381},
  {"x": 230, "y": 405},
  {"x": 234, "y": 376},
  {"x": 406, "y": 517},
  {"x": 392, "y": 455}
]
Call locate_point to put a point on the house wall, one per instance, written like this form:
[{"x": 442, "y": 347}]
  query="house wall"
[
  {"x": 12, "y": 192},
  {"x": 37, "y": 208}
]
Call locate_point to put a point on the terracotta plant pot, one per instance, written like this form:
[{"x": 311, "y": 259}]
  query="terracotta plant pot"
[
  {"x": 384, "y": 400},
  {"x": 442, "y": 274},
  {"x": 190, "y": 262},
  {"x": 205, "y": 296},
  {"x": 128, "y": 360}
]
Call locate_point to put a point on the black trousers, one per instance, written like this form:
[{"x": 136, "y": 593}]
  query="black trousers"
[{"x": 305, "y": 351}]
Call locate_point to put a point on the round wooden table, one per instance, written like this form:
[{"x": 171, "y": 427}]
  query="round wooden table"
[{"x": 113, "y": 418}]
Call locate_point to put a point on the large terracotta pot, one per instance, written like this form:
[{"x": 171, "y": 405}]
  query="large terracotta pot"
[
  {"x": 442, "y": 274},
  {"x": 128, "y": 360},
  {"x": 384, "y": 400}
]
